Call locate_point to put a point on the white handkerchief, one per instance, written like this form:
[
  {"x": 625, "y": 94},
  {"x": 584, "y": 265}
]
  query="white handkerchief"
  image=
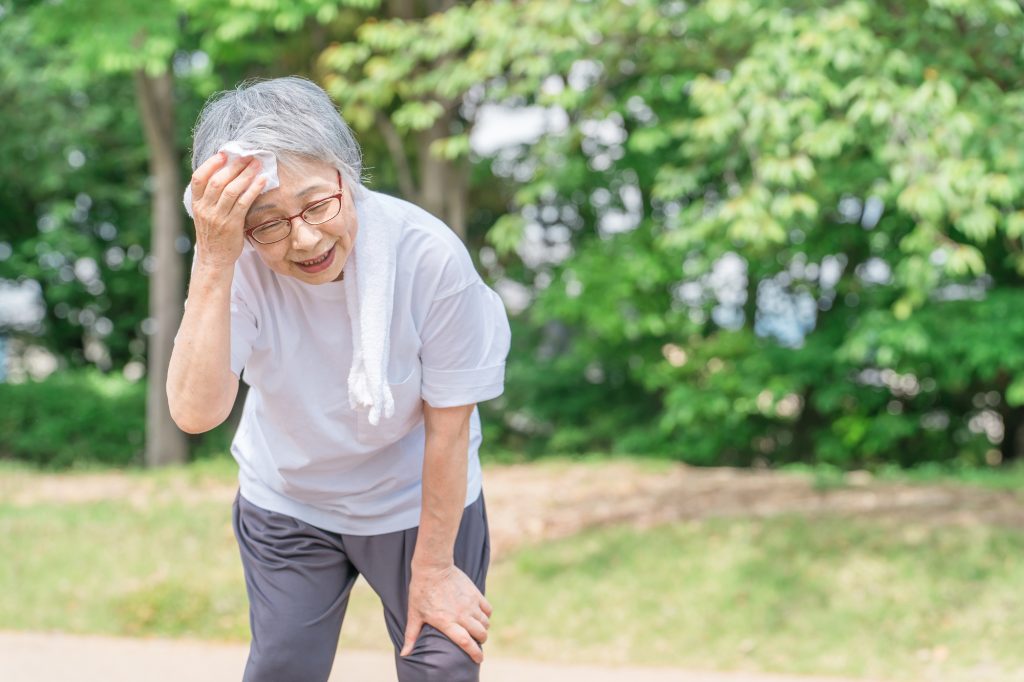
[{"x": 235, "y": 149}]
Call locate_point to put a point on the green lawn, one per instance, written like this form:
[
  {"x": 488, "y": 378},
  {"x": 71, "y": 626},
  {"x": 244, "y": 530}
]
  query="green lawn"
[
  {"x": 795, "y": 594},
  {"x": 825, "y": 595},
  {"x": 996, "y": 478}
]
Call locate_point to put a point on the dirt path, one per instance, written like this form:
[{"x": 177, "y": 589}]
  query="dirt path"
[
  {"x": 532, "y": 503},
  {"x": 28, "y": 657},
  {"x": 532, "y": 506}
]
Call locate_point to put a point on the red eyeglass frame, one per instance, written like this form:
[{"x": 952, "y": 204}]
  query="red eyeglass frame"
[{"x": 338, "y": 195}]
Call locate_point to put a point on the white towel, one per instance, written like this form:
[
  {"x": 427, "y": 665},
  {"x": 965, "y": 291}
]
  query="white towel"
[
  {"x": 234, "y": 149},
  {"x": 369, "y": 296},
  {"x": 369, "y": 289}
]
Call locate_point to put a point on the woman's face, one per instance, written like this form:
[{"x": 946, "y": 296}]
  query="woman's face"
[{"x": 314, "y": 254}]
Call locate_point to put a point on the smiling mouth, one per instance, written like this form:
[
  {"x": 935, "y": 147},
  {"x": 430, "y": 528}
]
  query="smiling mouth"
[
  {"x": 315, "y": 265},
  {"x": 317, "y": 260}
]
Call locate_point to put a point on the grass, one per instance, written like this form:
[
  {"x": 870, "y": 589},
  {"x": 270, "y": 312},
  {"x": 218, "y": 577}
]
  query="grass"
[
  {"x": 825, "y": 595},
  {"x": 1010, "y": 477},
  {"x": 788, "y": 594},
  {"x": 111, "y": 567}
]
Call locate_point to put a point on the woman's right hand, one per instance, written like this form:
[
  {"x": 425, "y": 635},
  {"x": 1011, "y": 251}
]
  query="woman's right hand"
[{"x": 222, "y": 194}]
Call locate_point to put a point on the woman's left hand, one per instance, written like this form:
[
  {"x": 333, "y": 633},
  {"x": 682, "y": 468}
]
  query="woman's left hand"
[{"x": 448, "y": 600}]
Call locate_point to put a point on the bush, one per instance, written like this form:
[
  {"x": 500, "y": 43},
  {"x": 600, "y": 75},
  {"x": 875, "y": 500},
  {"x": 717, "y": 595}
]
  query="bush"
[{"x": 74, "y": 418}]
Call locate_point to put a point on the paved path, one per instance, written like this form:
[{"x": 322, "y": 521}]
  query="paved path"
[{"x": 38, "y": 657}]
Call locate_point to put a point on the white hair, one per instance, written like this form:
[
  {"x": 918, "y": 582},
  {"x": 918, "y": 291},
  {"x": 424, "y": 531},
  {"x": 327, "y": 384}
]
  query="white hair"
[{"x": 291, "y": 117}]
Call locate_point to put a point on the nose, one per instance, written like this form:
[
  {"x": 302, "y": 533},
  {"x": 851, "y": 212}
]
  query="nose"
[{"x": 304, "y": 236}]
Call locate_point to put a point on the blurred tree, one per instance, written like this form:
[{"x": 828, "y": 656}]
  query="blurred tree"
[
  {"x": 414, "y": 77},
  {"x": 87, "y": 44},
  {"x": 752, "y": 230},
  {"x": 763, "y": 227},
  {"x": 74, "y": 205}
]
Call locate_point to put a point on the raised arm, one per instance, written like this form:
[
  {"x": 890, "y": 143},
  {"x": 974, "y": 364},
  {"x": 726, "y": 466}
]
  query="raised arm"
[{"x": 201, "y": 387}]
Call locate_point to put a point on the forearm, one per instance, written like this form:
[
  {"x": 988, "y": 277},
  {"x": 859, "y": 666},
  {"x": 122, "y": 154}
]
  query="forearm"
[
  {"x": 200, "y": 386},
  {"x": 445, "y": 463}
]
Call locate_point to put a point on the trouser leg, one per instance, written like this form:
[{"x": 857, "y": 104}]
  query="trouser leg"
[
  {"x": 298, "y": 579},
  {"x": 386, "y": 560}
]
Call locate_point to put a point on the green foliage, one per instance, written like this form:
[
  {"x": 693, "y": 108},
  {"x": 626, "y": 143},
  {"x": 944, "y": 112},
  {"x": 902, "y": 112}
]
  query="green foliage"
[
  {"x": 813, "y": 146},
  {"x": 73, "y": 418},
  {"x": 82, "y": 418},
  {"x": 857, "y": 168},
  {"x": 77, "y": 193},
  {"x": 75, "y": 202}
]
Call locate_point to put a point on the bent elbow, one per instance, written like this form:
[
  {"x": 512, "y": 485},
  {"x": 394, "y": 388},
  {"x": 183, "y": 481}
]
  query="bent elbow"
[
  {"x": 194, "y": 422},
  {"x": 190, "y": 425},
  {"x": 198, "y": 414}
]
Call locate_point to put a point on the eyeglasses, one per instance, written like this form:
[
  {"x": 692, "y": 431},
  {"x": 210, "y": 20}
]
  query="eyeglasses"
[{"x": 317, "y": 213}]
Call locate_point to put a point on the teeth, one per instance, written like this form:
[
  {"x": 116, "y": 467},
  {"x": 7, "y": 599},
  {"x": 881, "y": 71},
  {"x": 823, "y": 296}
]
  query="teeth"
[{"x": 315, "y": 261}]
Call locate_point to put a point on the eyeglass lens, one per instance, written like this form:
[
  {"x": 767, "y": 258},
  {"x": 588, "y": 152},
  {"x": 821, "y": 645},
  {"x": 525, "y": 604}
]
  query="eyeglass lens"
[{"x": 316, "y": 214}]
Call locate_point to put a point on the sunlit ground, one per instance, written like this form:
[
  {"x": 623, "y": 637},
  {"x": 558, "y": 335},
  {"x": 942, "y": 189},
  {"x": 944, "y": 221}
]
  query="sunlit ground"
[{"x": 807, "y": 595}]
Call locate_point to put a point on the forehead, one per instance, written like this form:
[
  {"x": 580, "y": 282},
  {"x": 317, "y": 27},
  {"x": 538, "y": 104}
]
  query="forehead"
[{"x": 300, "y": 182}]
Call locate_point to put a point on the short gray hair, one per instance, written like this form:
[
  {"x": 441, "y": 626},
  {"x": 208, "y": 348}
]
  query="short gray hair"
[{"x": 291, "y": 117}]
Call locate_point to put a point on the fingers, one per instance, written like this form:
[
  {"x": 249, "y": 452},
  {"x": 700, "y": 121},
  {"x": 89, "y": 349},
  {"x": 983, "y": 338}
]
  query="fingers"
[
  {"x": 227, "y": 184},
  {"x": 228, "y": 189},
  {"x": 250, "y": 195},
  {"x": 412, "y": 632},
  {"x": 476, "y": 629},
  {"x": 202, "y": 175},
  {"x": 208, "y": 186},
  {"x": 462, "y": 639},
  {"x": 225, "y": 174},
  {"x": 237, "y": 187},
  {"x": 486, "y": 607}
]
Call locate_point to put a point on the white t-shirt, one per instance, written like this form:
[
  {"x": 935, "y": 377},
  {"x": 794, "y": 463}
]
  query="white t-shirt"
[{"x": 301, "y": 449}]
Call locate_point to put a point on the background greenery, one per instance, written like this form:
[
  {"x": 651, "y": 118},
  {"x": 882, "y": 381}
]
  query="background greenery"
[
  {"x": 742, "y": 232},
  {"x": 757, "y": 232}
]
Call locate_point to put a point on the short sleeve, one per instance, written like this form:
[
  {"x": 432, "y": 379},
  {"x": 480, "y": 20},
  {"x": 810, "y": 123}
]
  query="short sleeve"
[{"x": 466, "y": 338}]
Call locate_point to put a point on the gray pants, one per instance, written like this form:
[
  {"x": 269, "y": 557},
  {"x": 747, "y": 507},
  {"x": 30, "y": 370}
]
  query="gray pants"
[{"x": 299, "y": 578}]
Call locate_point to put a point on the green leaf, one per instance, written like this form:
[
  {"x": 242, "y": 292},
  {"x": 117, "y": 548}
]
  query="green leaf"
[
  {"x": 451, "y": 148},
  {"x": 922, "y": 201},
  {"x": 506, "y": 233},
  {"x": 979, "y": 225},
  {"x": 417, "y": 115},
  {"x": 1015, "y": 225},
  {"x": 965, "y": 260},
  {"x": 1015, "y": 392},
  {"x": 648, "y": 140}
]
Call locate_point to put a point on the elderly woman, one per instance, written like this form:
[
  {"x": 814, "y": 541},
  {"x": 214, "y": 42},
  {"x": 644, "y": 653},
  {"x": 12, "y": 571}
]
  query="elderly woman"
[{"x": 366, "y": 337}]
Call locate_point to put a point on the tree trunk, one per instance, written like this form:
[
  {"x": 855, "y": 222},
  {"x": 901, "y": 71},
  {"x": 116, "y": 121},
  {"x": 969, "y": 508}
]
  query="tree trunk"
[
  {"x": 750, "y": 305},
  {"x": 1012, "y": 447},
  {"x": 432, "y": 169},
  {"x": 442, "y": 185},
  {"x": 457, "y": 199},
  {"x": 402, "y": 9},
  {"x": 165, "y": 443}
]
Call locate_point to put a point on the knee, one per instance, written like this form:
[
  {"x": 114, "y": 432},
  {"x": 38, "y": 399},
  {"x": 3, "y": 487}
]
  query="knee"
[
  {"x": 286, "y": 660},
  {"x": 436, "y": 658},
  {"x": 453, "y": 665}
]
